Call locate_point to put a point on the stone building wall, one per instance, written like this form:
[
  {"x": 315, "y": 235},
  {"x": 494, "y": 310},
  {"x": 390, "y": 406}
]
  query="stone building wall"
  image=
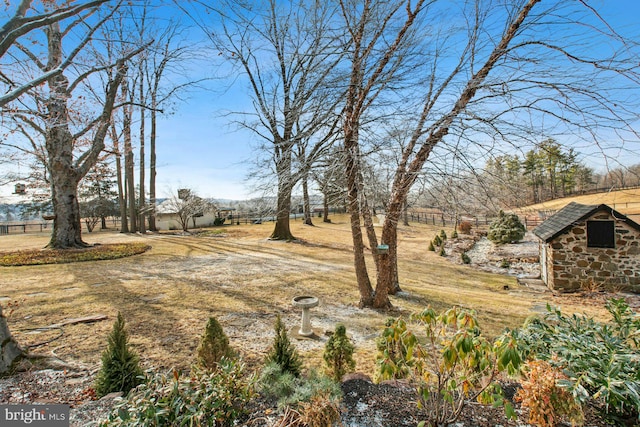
[{"x": 571, "y": 265}]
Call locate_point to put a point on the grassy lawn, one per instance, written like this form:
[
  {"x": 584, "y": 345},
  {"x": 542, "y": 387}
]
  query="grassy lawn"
[{"x": 234, "y": 273}]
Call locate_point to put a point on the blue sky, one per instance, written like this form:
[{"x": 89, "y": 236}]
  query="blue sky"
[{"x": 198, "y": 148}]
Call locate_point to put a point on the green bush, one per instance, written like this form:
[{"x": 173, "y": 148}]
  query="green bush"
[
  {"x": 288, "y": 390},
  {"x": 214, "y": 345},
  {"x": 454, "y": 235},
  {"x": 120, "y": 370},
  {"x": 218, "y": 221},
  {"x": 442, "y": 252},
  {"x": 338, "y": 354},
  {"x": 506, "y": 228},
  {"x": 283, "y": 352},
  {"x": 437, "y": 241},
  {"x": 204, "y": 398},
  {"x": 600, "y": 359},
  {"x": 431, "y": 247},
  {"x": 452, "y": 365},
  {"x": 443, "y": 235},
  {"x": 505, "y": 263},
  {"x": 465, "y": 258}
]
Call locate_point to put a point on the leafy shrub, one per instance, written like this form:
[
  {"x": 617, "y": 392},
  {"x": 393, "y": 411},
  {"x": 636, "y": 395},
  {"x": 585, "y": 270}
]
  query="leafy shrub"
[
  {"x": 214, "y": 345},
  {"x": 547, "y": 402},
  {"x": 431, "y": 247},
  {"x": 437, "y": 241},
  {"x": 506, "y": 228},
  {"x": 601, "y": 360},
  {"x": 120, "y": 370},
  {"x": 465, "y": 227},
  {"x": 443, "y": 235},
  {"x": 465, "y": 258},
  {"x": 218, "y": 221},
  {"x": 451, "y": 366},
  {"x": 505, "y": 263},
  {"x": 442, "y": 252},
  {"x": 454, "y": 235},
  {"x": 204, "y": 398},
  {"x": 283, "y": 352},
  {"x": 338, "y": 354},
  {"x": 392, "y": 353}
]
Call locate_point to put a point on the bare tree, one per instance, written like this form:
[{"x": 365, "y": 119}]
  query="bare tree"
[
  {"x": 20, "y": 25},
  {"x": 53, "y": 117},
  {"x": 186, "y": 205},
  {"x": 288, "y": 53},
  {"x": 503, "y": 78}
]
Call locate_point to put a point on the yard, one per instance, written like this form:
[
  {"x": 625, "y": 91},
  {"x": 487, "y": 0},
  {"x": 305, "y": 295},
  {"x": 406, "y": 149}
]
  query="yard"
[{"x": 235, "y": 274}]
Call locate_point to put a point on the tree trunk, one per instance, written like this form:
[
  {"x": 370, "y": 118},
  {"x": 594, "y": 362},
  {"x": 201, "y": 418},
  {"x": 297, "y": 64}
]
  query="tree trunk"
[
  {"x": 143, "y": 196},
  {"x": 282, "y": 230},
  {"x": 67, "y": 228},
  {"x": 306, "y": 201},
  {"x": 10, "y": 351},
  {"x": 128, "y": 161},
  {"x": 122, "y": 201},
  {"x": 152, "y": 167},
  {"x": 325, "y": 208},
  {"x": 353, "y": 198}
]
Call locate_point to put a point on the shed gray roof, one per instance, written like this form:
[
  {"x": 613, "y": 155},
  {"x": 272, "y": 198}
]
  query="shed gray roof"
[{"x": 571, "y": 214}]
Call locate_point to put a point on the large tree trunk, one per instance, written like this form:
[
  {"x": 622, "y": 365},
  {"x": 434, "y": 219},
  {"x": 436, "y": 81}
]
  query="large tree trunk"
[
  {"x": 282, "y": 230},
  {"x": 10, "y": 351},
  {"x": 353, "y": 197},
  {"x": 67, "y": 231}
]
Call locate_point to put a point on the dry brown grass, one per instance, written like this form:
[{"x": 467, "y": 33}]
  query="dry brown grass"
[
  {"x": 625, "y": 201},
  {"x": 167, "y": 294}
]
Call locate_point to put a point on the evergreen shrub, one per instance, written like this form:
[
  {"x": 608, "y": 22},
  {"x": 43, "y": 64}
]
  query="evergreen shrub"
[
  {"x": 120, "y": 370},
  {"x": 506, "y": 228}
]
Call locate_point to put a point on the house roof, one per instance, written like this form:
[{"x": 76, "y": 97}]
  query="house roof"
[{"x": 571, "y": 214}]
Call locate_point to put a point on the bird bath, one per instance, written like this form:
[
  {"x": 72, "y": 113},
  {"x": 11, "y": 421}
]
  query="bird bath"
[{"x": 305, "y": 302}]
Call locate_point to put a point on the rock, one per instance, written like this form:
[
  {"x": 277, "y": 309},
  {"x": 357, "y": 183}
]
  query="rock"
[{"x": 356, "y": 376}]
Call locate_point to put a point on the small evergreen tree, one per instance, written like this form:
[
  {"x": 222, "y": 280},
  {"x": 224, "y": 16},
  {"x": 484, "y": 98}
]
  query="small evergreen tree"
[
  {"x": 338, "y": 354},
  {"x": 214, "y": 345},
  {"x": 443, "y": 235},
  {"x": 465, "y": 258},
  {"x": 283, "y": 352},
  {"x": 506, "y": 228},
  {"x": 431, "y": 247},
  {"x": 437, "y": 241},
  {"x": 442, "y": 251},
  {"x": 120, "y": 369},
  {"x": 454, "y": 235}
]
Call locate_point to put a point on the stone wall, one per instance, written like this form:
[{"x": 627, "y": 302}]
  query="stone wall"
[{"x": 572, "y": 266}]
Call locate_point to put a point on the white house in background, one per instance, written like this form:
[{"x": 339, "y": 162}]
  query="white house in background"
[{"x": 168, "y": 217}]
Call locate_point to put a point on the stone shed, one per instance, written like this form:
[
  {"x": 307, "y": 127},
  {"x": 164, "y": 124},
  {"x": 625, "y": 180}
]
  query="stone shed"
[{"x": 586, "y": 245}]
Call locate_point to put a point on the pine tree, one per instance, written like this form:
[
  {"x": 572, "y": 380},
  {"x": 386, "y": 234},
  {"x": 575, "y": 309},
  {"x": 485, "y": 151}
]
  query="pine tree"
[
  {"x": 283, "y": 352},
  {"x": 338, "y": 354},
  {"x": 214, "y": 345},
  {"x": 120, "y": 369}
]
